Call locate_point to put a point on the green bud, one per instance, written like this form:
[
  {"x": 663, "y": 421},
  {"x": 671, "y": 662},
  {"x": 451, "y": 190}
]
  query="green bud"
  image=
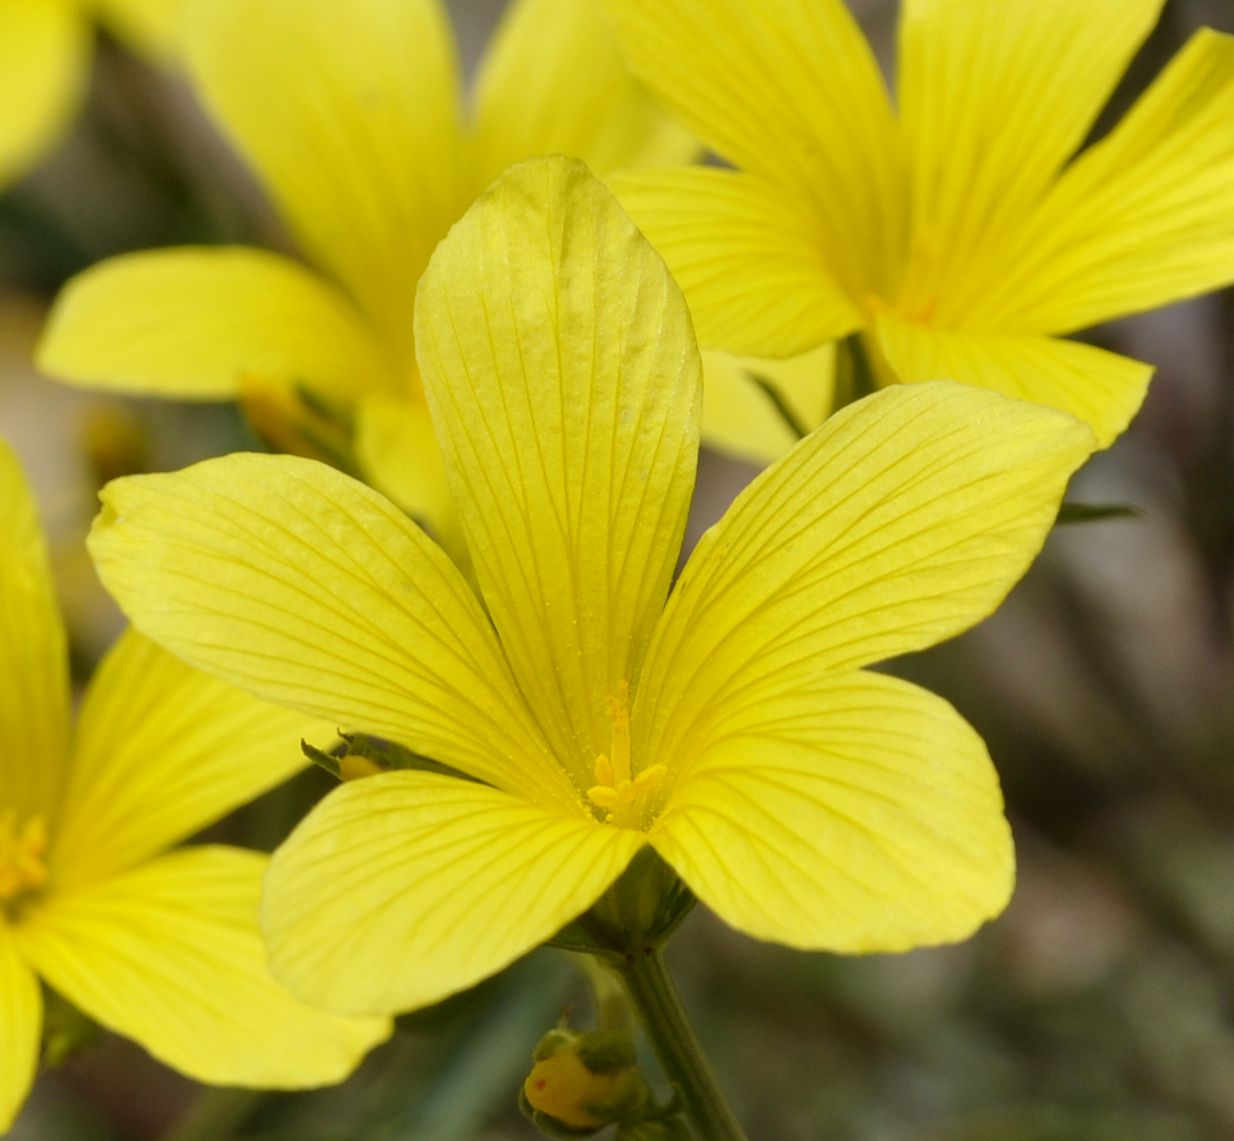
[{"x": 582, "y": 1082}]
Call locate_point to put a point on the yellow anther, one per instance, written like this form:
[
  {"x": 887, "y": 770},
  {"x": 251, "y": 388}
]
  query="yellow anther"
[
  {"x": 604, "y": 796},
  {"x": 650, "y": 779},
  {"x": 604, "y": 770},
  {"x": 624, "y": 800},
  {"x": 617, "y": 790},
  {"x": 23, "y": 852}
]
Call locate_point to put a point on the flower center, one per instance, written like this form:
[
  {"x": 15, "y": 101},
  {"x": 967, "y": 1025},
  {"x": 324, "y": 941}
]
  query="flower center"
[
  {"x": 916, "y": 299},
  {"x": 23, "y": 858},
  {"x": 618, "y": 793}
]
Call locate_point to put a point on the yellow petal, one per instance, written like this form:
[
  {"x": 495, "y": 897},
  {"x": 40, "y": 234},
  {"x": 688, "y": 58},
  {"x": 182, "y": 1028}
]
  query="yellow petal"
[
  {"x": 349, "y": 114},
  {"x": 34, "y": 688},
  {"x": 307, "y": 588},
  {"x": 398, "y": 454},
  {"x": 403, "y": 888},
  {"x": 162, "y": 750},
  {"x": 1098, "y": 387},
  {"x": 750, "y": 261},
  {"x": 554, "y": 81},
  {"x": 1143, "y": 218},
  {"x": 903, "y": 520},
  {"x": 21, "y": 1020},
  {"x": 995, "y": 97},
  {"x": 169, "y": 954},
  {"x": 189, "y": 323},
  {"x": 149, "y": 26},
  {"x": 44, "y": 57},
  {"x": 564, "y": 383},
  {"x": 752, "y": 408},
  {"x": 790, "y": 91},
  {"x": 856, "y": 813}
]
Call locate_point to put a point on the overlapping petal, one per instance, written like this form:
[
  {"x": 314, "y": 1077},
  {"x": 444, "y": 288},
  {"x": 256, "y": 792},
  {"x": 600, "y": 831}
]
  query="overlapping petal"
[
  {"x": 753, "y": 264},
  {"x": 21, "y": 1022},
  {"x": 855, "y": 814},
  {"x": 402, "y": 888},
  {"x": 349, "y": 113},
  {"x": 1144, "y": 217},
  {"x": 169, "y": 954},
  {"x": 1101, "y": 388},
  {"x": 398, "y": 454},
  {"x": 190, "y": 323},
  {"x": 788, "y": 90},
  {"x": 34, "y": 688},
  {"x": 903, "y": 520},
  {"x": 564, "y": 383},
  {"x": 553, "y": 81},
  {"x": 994, "y": 98},
  {"x": 757, "y": 409},
  {"x": 44, "y": 57},
  {"x": 307, "y": 588},
  {"x": 162, "y": 750}
]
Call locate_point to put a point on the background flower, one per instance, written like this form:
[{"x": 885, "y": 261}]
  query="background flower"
[
  {"x": 960, "y": 237},
  {"x": 162, "y": 947},
  {"x": 45, "y": 59},
  {"x": 368, "y": 164}
]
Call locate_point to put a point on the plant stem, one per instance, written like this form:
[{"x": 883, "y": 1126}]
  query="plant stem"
[
  {"x": 854, "y": 371},
  {"x": 217, "y": 1114},
  {"x": 677, "y": 1047}
]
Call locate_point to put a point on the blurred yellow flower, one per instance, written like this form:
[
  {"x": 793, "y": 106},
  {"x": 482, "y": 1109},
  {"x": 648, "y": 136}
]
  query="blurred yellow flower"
[
  {"x": 804, "y": 799},
  {"x": 45, "y": 60},
  {"x": 351, "y": 116},
  {"x": 161, "y": 947},
  {"x": 963, "y": 236}
]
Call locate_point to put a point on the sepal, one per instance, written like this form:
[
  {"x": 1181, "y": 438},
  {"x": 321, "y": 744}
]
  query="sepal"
[{"x": 356, "y": 755}]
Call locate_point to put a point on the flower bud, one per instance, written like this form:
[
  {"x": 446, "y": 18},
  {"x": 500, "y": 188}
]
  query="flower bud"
[{"x": 583, "y": 1081}]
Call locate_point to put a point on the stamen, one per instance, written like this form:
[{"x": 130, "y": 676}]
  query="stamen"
[
  {"x": 617, "y": 792},
  {"x": 23, "y": 851}
]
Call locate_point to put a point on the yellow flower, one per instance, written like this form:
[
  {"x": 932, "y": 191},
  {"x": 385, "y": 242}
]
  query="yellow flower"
[
  {"x": 161, "y": 947},
  {"x": 962, "y": 238},
  {"x": 45, "y": 59},
  {"x": 350, "y": 115},
  {"x": 803, "y": 799}
]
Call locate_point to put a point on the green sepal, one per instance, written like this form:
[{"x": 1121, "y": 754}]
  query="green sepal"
[
  {"x": 321, "y": 759},
  {"x": 553, "y": 1043},
  {"x": 67, "y": 1032},
  {"x": 660, "y": 1129},
  {"x": 1071, "y": 513},
  {"x": 606, "y": 1051},
  {"x": 636, "y": 915},
  {"x": 385, "y": 755},
  {"x": 782, "y": 408},
  {"x": 855, "y": 372}
]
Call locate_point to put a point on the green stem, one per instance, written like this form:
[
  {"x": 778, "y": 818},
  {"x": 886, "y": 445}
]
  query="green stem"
[
  {"x": 677, "y": 1047},
  {"x": 217, "y": 1113},
  {"x": 854, "y": 371}
]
